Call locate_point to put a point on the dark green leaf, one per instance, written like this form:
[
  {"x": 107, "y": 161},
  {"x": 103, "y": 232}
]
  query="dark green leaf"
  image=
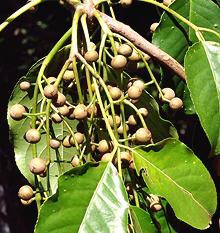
[
  {"x": 172, "y": 171},
  {"x": 202, "y": 64},
  {"x": 89, "y": 200}
]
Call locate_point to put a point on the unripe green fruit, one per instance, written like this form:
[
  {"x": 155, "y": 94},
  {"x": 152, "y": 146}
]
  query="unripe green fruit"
[
  {"x": 107, "y": 157},
  {"x": 139, "y": 83},
  {"x": 68, "y": 75},
  {"x": 104, "y": 146},
  {"x": 120, "y": 129},
  {"x": 126, "y": 3},
  {"x": 66, "y": 141},
  {"x": 17, "y": 111},
  {"x": 125, "y": 50},
  {"x": 32, "y": 136},
  {"x": 60, "y": 100},
  {"x": 117, "y": 120},
  {"x": 143, "y": 135},
  {"x": 80, "y": 112},
  {"x": 134, "y": 92},
  {"x": 64, "y": 110},
  {"x": 56, "y": 118},
  {"x": 153, "y": 27},
  {"x": 134, "y": 56},
  {"x": 79, "y": 137},
  {"x": 91, "y": 56},
  {"x": 54, "y": 143},
  {"x": 118, "y": 62},
  {"x": 143, "y": 112},
  {"x": 75, "y": 161},
  {"x": 25, "y": 193},
  {"x": 176, "y": 103},
  {"x": 115, "y": 93},
  {"x": 50, "y": 91},
  {"x": 24, "y": 86},
  {"x": 133, "y": 120},
  {"x": 37, "y": 166},
  {"x": 168, "y": 93},
  {"x": 51, "y": 80}
]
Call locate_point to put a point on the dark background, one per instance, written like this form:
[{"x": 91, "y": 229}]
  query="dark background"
[{"x": 26, "y": 40}]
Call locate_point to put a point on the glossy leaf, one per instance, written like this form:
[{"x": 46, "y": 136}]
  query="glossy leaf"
[
  {"x": 172, "y": 171},
  {"x": 202, "y": 64},
  {"x": 22, "y": 149},
  {"x": 141, "y": 221},
  {"x": 89, "y": 199}
]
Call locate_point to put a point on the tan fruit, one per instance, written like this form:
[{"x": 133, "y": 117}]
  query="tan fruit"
[
  {"x": 125, "y": 158},
  {"x": 167, "y": 2},
  {"x": 134, "y": 56},
  {"x": 17, "y": 111},
  {"x": 32, "y": 136},
  {"x": 80, "y": 112},
  {"x": 64, "y": 110},
  {"x": 56, "y": 118},
  {"x": 153, "y": 27},
  {"x": 25, "y": 85},
  {"x": 117, "y": 120},
  {"x": 126, "y": 3},
  {"x": 115, "y": 93},
  {"x": 75, "y": 161},
  {"x": 51, "y": 80},
  {"x": 60, "y": 100},
  {"x": 68, "y": 75},
  {"x": 168, "y": 93},
  {"x": 176, "y": 103},
  {"x": 118, "y": 62},
  {"x": 143, "y": 135},
  {"x": 139, "y": 83},
  {"x": 120, "y": 129},
  {"x": 66, "y": 141},
  {"x": 37, "y": 166},
  {"x": 91, "y": 56},
  {"x": 79, "y": 137},
  {"x": 131, "y": 165},
  {"x": 134, "y": 92},
  {"x": 26, "y": 203},
  {"x": 25, "y": 192},
  {"x": 104, "y": 146},
  {"x": 133, "y": 120},
  {"x": 155, "y": 206},
  {"x": 50, "y": 91},
  {"x": 153, "y": 198},
  {"x": 143, "y": 112},
  {"x": 107, "y": 157},
  {"x": 54, "y": 143},
  {"x": 92, "y": 110},
  {"x": 146, "y": 56},
  {"x": 125, "y": 50}
]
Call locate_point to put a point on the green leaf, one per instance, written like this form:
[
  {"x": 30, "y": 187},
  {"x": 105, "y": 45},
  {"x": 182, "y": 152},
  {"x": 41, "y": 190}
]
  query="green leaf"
[
  {"x": 141, "y": 221},
  {"x": 89, "y": 199},
  {"x": 172, "y": 171},
  {"x": 202, "y": 65},
  {"x": 22, "y": 149},
  {"x": 174, "y": 36}
]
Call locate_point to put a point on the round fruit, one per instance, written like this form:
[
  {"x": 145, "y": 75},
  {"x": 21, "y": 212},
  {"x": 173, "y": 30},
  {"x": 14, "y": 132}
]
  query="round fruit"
[
  {"x": 80, "y": 112},
  {"x": 17, "y": 111},
  {"x": 104, "y": 146},
  {"x": 68, "y": 75},
  {"x": 25, "y": 192},
  {"x": 153, "y": 198},
  {"x": 56, "y": 118},
  {"x": 50, "y": 91},
  {"x": 176, "y": 103},
  {"x": 115, "y": 93},
  {"x": 107, "y": 157},
  {"x": 125, "y": 158},
  {"x": 64, "y": 110},
  {"x": 118, "y": 62},
  {"x": 117, "y": 120},
  {"x": 120, "y": 128},
  {"x": 168, "y": 93},
  {"x": 134, "y": 92},
  {"x": 167, "y": 2},
  {"x": 37, "y": 166},
  {"x": 54, "y": 143},
  {"x": 125, "y": 50},
  {"x": 139, "y": 83},
  {"x": 33, "y": 136},
  {"x": 24, "y": 86},
  {"x": 134, "y": 56},
  {"x": 126, "y": 3},
  {"x": 51, "y": 80},
  {"x": 60, "y": 100},
  {"x": 143, "y": 112},
  {"x": 75, "y": 161},
  {"x": 133, "y": 120},
  {"x": 155, "y": 206},
  {"x": 66, "y": 141},
  {"x": 23, "y": 202},
  {"x": 131, "y": 165},
  {"x": 79, "y": 137},
  {"x": 92, "y": 110},
  {"x": 153, "y": 27},
  {"x": 143, "y": 135},
  {"x": 91, "y": 56}
]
